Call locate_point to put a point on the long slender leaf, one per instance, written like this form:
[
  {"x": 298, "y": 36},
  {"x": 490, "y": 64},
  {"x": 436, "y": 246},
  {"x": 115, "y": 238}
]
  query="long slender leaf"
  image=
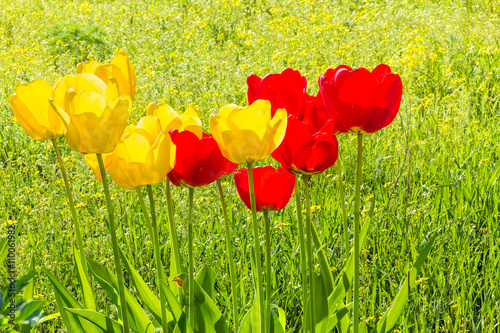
[
  {"x": 88, "y": 294},
  {"x": 107, "y": 324}
]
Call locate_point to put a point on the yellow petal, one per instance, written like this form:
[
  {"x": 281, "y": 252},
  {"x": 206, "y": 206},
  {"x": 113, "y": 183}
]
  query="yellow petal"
[
  {"x": 81, "y": 82},
  {"x": 95, "y": 68},
  {"x": 168, "y": 118},
  {"x": 124, "y": 72},
  {"x": 164, "y": 158},
  {"x": 191, "y": 122},
  {"x": 91, "y": 160},
  {"x": 112, "y": 123},
  {"x": 227, "y": 142},
  {"x": 149, "y": 127},
  {"x": 275, "y": 132}
]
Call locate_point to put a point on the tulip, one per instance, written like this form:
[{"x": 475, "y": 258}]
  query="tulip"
[
  {"x": 248, "y": 135},
  {"x": 120, "y": 73},
  {"x": 93, "y": 124},
  {"x": 144, "y": 156},
  {"x": 198, "y": 162},
  {"x": 273, "y": 187},
  {"x": 285, "y": 90},
  {"x": 31, "y": 108},
  {"x": 78, "y": 83},
  {"x": 169, "y": 119},
  {"x": 361, "y": 101},
  {"x": 305, "y": 152}
]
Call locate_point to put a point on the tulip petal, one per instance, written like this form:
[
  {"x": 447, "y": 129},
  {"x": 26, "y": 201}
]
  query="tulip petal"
[{"x": 112, "y": 123}]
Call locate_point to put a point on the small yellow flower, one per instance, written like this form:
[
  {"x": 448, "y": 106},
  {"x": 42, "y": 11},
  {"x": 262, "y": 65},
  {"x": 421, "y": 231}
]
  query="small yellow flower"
[{"x": 247, "y": 135}]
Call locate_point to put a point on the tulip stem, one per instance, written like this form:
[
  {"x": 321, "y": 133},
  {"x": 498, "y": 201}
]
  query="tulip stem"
[
  {"x": 309, "y": 252},
  {"x": 268, "y": 270},
  {"x": 76, "y": 221},
  {"x": 258, "y": 264},
  {"x": 303, "y": 256},
  {"x": 232, "y": 269},
  {"x": 355, "y": 284},
  {"x": 159, "y": 265},
  {"x": 114, "y": 242},
  {"x": 344, "y": 218},
  {"x": 144, "y": 211},
  {"x": 191, "y": 258},
  {"x": 173, "y": 238}
]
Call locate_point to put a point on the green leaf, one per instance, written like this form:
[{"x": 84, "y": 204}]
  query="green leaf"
[
  {"x": 321, "y": 313},
  {"x": 138, "y": 319},
  {"x": 88, "y": 294},
  {"x": 206, "y": 280},
  {"x": 208, "y": 318},
  {"x": 65, "y": 299},
  {"x": 147, "y": 296},
  {"x": 4, "y": 249},
  {"x": 107, "y": 324},
  {"x": 172, "y": 301},
  {"x": 323, "y": 261},
  {"x": 28, "y": 290},
  {"x": 182, "y": 325},
  {"x": 28, "y": 310},
  {"x": 247, "y": 326},
  {"x": 387, "y": 322}
]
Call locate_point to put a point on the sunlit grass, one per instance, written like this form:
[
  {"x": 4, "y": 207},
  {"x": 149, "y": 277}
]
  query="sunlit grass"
[{"x": 434, "y": 169}]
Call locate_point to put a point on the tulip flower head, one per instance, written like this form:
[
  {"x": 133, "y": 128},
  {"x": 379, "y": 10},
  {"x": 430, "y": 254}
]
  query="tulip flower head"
[
  {"x": 32, "y": 110},
  {"x": 169, "y": 119},
  {"x": 120, "y": 74},
  {"x": 361, "y": 101},
  {"x": 273, "y": 187},
  {"x": 247, "y": 135},
  {"x": 199, "y": 162},
  {"x": 284, "y": 91},
  {"x": 93, "y": 124},
  {"x": 307, "y": 152}
]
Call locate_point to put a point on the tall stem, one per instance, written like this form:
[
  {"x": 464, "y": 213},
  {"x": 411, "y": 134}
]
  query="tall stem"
[
  {"x": 191, "y": 258},
  {"x": 356, "y": 233},
  {"x": 229, "y": 250},
  {"x": 76, "y": 221},
  {"x": 309, "y": 242},
  {"x": 258, "y": 264},
  {"x": 268, "y": 271},
  {"x": 344, "y": 218},
  {"x": 159, "y": 265},
  {"x": 303, "y": 256},
  {"x": 114, "y": 242},
  {"x": 173, "y": 237}
]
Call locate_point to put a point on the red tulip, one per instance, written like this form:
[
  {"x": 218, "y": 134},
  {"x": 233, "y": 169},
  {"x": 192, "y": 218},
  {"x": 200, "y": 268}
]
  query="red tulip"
[
  {"x": 284, "y": 91},
  {"x": 273, "y": 187},
  {"x": 198, "y": 161},
  {"x": 305, "y": 151},
  {"x": 361, "y": 101}
]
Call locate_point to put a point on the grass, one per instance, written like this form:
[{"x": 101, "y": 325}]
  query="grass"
[{"x": 433, "y": 170}]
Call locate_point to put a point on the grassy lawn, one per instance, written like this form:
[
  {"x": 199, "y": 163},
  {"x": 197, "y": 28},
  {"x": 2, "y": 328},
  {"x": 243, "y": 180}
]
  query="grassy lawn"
[{"x": 433, "y": 170}]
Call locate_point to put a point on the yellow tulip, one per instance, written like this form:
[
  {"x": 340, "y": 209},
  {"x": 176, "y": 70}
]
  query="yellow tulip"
[
  {"x": 119, "y": 75},
  {"x": 93, "y": 124},
  {"x": 81, "y": 82},
  {"x": 169, "y": 119},
  {"x": 247, "y": 135},
  {"x": 144, "y": 156},
  {"x": 31, "y": 107}
]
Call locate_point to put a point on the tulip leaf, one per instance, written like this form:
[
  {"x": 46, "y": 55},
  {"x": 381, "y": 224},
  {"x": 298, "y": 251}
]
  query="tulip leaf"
[
  {"x": 387, "y": 322},
  {"x": 138, "y": 319},
  {"x": 321, "y": 313},
  {"x": 105, "y": 323},
  {"x": 206, "y": 280},
  {"x": 249, "y": 326},
  {"x": 88, "y": 294},
  {"x": 208, "y": 318},
  {"x": 183, "y": 325},
  {"x": 64, "y": 299},
  {"x": 172, "y": 301},
  {"x": 323, "y": 261}
]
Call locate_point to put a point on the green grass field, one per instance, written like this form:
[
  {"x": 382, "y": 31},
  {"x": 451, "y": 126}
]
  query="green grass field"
[{"x": 433, "y": 170}]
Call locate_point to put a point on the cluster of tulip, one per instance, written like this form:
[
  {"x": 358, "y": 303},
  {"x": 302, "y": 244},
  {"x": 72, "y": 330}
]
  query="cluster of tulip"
[{"x": 282, "y": 120}]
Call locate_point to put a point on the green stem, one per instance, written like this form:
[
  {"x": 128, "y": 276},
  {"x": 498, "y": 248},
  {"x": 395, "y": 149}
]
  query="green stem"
[
  {"x": 268, "y": 270},
  {"x": 309, "y": 242},
  {"x": 356, "y": 234},
  {"x": 76, "y": 221},
  {"x": 173, "y": 238},
  {"x": 229, "y": 250},
  {"x": 303, "y": 256},
  {"x": 159, "y": 265},
  {"x": 191, "y": 258},
  {"x": 114, "y": 242},
  {"x": 344, "y": 218},
  {"x": 258, "y": 264},
  {"x": 144, "y": 211}
]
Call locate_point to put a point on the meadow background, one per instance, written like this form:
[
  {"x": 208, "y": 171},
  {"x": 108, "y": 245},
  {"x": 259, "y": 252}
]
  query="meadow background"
[{"x": 433, "y": 170}]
